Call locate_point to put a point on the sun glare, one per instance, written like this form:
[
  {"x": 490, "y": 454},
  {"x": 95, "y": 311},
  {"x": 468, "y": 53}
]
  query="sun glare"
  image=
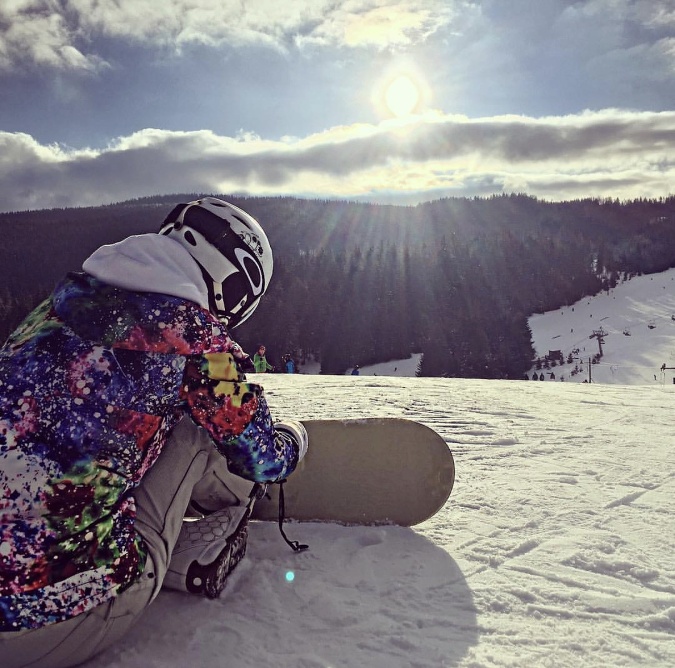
[
  {"x": 401, "y": 93},
  {"x": 402, "y": 96}
]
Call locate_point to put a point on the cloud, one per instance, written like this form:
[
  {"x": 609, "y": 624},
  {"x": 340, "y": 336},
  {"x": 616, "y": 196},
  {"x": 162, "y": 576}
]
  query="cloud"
[
  {"x": 64, "y": 35},
  {"x": 31, "y": 33},
  {"x": 382, "y": 24},
  {"x": 480, "y": 56},
  {"x": 611, "y": 153}
]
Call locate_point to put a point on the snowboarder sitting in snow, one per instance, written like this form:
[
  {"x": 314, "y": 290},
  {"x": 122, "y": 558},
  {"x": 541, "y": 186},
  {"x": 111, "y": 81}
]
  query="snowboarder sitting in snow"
[{"x": 124, "y": 408}]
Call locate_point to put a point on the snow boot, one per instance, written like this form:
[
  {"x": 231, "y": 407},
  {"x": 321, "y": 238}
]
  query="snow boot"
[{"x": 207, "y": 551}]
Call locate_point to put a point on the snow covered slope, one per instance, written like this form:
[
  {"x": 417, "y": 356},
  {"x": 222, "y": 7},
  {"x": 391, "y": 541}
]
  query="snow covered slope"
[
  {"x": 637, "y": 319},
  {"x": 555, "y": 548}
]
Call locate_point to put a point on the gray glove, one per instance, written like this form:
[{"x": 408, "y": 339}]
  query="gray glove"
[{"x": 297, "y": 432}]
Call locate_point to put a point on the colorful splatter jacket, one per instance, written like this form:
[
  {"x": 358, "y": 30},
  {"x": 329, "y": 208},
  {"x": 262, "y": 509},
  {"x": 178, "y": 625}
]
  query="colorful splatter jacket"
[{"x": 90, "y": 385}]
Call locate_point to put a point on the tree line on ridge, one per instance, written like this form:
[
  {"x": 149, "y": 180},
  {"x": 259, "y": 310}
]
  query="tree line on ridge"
[{"x": 455, "y": 279}]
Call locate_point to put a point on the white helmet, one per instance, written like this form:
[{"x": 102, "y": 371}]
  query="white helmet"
[{"x": 232, "y": 251}]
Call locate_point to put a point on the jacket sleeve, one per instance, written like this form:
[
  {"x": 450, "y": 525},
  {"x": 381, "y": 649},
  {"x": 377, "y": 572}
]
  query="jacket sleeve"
[{"x": 235, "y": 414}]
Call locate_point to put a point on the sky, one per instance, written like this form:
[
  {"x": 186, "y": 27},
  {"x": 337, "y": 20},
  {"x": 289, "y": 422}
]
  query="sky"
[
  {"x": 396, "y": 101},
  {"x": 554, "y": 549}
]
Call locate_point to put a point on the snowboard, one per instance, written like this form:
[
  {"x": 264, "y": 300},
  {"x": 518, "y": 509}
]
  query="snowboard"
[{"x": 367, "y": 471}]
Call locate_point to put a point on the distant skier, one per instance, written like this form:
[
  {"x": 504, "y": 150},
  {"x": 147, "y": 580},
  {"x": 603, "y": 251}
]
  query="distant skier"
[
  {"x": 356, "y": 371},
  {"x": 260, "y": 361},
  {"x": 290, "y": 364},
  {"x": 122, "y": 402}
]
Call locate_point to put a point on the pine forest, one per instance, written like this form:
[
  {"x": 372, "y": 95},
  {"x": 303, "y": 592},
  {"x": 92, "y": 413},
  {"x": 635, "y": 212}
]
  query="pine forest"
[{"x": 357, "y": 283}]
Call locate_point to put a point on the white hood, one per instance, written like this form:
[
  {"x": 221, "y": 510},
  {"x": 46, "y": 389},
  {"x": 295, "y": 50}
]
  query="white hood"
[{"x": 149, "y": 263}]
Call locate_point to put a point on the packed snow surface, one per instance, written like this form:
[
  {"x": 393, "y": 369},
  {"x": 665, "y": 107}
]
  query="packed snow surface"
[{"x": 555, "y": 548}]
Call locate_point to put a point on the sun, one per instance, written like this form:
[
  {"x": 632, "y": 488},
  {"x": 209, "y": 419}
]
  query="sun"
[
  {"x": 402, "y": 96},
  {"x": 401, "y": 93}
]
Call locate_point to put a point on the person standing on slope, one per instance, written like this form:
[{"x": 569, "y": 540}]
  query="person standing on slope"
[
  {"x": 290, "y": 364},
  {"x": 123, "y": 408},
  {"x": 260, "y": 361}
]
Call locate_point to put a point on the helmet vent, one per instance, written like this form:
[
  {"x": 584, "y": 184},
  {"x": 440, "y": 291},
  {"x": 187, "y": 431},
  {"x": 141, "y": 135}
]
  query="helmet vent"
[{"x": 190, "y": 238}]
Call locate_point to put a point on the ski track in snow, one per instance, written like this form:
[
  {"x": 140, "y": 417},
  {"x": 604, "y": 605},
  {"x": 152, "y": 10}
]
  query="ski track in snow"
[{"x": 555, "y": 548}]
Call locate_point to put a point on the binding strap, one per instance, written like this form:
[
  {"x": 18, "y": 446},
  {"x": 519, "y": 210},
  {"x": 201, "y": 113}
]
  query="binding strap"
[{"x": 294, "y": 544}]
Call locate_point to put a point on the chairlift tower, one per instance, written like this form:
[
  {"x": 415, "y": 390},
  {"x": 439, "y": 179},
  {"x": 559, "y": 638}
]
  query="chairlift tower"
[
  {"x": 600, "y": 335},
  {"x": 665, "y": 368}
]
